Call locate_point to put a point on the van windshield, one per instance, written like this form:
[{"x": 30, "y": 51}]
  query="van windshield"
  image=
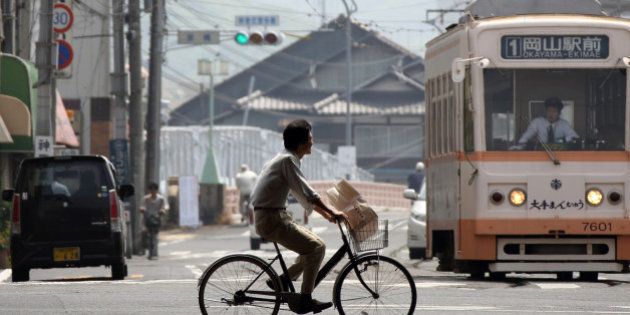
[
  {"x": 566, "y": 109},
  {"x": 64, "y": 199}
]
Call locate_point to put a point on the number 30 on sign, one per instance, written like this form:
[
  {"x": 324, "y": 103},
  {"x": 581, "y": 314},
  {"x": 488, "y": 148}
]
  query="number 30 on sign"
[{"x": 62, "y": 18}]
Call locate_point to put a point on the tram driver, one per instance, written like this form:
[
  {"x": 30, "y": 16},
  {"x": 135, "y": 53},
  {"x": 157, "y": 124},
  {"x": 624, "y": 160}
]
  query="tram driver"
[{"x": 549, "y": 129}]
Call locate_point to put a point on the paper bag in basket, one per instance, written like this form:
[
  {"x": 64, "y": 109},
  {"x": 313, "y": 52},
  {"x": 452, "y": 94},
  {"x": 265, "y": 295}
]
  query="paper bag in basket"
[{"x": 361, "y": 216}]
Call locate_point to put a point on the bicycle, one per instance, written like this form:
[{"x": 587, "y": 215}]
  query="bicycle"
[{"x": 368, "y": 283}]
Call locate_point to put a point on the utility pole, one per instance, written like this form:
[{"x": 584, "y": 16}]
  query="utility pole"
[
  {"x": 349, "y": 12},
  {"x": 23, "y": 29},
  {"x": 155, "y": 92},
  {"x": 118, "y": 77},
  {"x": 46, "y": 85},
  {"x": 8, "y": 27},
  {"x": 136, "y": 120}
]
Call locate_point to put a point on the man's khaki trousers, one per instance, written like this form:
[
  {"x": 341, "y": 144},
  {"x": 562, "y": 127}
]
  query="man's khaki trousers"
[{"x": 278, "y": 226}]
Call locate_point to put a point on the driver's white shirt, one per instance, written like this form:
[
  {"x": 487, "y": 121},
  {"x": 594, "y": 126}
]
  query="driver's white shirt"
[{"x": 561, "y": 130}]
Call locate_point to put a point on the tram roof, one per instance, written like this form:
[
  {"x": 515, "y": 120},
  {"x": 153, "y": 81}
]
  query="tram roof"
[{"x": 494, "y": 8}]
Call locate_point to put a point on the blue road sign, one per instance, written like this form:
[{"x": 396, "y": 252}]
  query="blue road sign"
[{"x": 65, "y": 54}]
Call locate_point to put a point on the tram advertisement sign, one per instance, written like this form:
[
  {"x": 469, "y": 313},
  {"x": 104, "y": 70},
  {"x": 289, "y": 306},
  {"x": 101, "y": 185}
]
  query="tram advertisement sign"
[{"x": 554, "y": 47}]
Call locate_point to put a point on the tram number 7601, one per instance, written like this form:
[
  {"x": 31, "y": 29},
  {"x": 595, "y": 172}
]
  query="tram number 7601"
[{"x": 597, "y": 226}]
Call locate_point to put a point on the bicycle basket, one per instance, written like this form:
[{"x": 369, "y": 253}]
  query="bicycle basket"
[{"x": 370, "y": 237}]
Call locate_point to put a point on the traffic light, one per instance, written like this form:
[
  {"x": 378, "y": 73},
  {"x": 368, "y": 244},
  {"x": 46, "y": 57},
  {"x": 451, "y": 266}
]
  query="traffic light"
[{"x": 259, "y": 38}]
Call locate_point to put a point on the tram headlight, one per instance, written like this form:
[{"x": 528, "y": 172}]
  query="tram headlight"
[
  {"x": 517, "y": 197},
  {"x": 594, "y": 197}
]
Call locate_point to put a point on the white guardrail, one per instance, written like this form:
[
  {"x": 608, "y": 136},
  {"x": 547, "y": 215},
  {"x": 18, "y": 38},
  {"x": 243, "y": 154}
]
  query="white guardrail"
[{"x": 183, "y": 153}]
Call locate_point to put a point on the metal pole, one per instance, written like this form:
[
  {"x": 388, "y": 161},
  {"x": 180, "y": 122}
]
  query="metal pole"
[
  {"x": 119, "y": 88},
  {"x": 8, "y": 19},
  {"x": 23, "y": 42},
  {"x": 45, "y": 85},
  {"x": 155, "y": 93},
  {"x": 210, "y": 108},
  {"x": 349, "y": 69},
  {"x": 252, "y": 81},
  {"x": 210, "y": 173},
  {"x": 136, "y": 120}
]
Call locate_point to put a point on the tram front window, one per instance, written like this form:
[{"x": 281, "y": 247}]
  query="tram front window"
[{"x": 590, "y": 106}]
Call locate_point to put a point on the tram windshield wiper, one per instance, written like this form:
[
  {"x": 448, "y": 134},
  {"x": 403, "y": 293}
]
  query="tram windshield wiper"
[{"x": 550, "y": 153}]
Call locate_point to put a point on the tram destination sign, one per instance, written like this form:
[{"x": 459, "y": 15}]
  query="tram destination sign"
[{"x": 554, "y": 47}]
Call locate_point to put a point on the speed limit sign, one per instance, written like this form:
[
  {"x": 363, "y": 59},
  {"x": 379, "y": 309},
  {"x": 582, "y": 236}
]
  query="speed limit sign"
[{"x": 62, "y": 18}]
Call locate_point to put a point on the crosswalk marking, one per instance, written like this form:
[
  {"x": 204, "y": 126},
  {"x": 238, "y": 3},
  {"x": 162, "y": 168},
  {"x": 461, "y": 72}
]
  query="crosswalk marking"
[
  {"x": 553, "y": 286},
  {"x": 195, "y": 270},
  {"x": 439, "y": 284},
  {"x": 319, "y": 229}
]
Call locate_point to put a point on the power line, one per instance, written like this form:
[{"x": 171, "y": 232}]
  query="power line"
[{"x": 266, "y": 8}]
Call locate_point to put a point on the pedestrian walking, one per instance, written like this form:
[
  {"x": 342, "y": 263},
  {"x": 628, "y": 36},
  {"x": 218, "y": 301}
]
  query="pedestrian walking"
[
  {"x": 153, "y": 207},
  {"x": 245, "y": 181},
  {"x": 414, "y": 180}
]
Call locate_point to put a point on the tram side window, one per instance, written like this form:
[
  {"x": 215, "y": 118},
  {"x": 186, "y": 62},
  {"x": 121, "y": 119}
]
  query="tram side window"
[{"x": 591, "y": 116}]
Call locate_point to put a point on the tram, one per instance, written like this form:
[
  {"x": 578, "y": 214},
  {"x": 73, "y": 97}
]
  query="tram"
[{"x": 504, "y": 192}]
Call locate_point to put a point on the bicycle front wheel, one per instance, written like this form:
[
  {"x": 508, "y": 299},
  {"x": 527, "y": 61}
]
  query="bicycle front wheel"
[
  {"x": 226, "y": 287},
  {"x": 375, "y": 285}
]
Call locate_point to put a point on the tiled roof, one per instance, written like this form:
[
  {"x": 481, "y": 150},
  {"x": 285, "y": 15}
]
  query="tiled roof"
[{"x": 332, "y": 105}]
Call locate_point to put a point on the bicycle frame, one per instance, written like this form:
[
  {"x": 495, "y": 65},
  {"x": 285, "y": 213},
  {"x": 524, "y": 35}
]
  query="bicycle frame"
[{"x": 323, "y": 272}]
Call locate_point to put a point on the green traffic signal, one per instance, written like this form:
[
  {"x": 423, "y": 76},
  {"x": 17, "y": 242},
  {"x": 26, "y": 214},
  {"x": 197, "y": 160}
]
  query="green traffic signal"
[{"x": 241, "y": 38}]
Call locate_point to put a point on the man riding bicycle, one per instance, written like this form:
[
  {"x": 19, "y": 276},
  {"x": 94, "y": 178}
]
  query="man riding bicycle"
[{"x": 278, "y": 176}]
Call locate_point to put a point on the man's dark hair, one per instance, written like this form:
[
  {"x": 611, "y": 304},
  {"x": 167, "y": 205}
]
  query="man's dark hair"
[
  {"x": 153, "y": 186},
  {"x": 554, "y": 102},
  {"x": 296, "y": 133}
]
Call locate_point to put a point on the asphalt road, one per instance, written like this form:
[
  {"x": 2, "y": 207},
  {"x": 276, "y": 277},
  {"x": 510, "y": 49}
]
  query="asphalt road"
[{"x": 169, "y": 285}]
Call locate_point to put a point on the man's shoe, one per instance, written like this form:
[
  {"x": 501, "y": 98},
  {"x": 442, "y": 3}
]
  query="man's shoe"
[
  {"x": 317, "y": 306},
  {"x": 304, "y": 303},
  {"x": 284, "y": 282}
]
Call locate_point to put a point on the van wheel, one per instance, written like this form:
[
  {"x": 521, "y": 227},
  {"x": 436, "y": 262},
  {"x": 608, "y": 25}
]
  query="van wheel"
[
  {"x": 19, "y": 274},
  {"x": 497, "y": 276},
  {"x": 119, "y": 271},
  {"x": 588, "y": 276},
  {"x": 254, "y": 243},
  {"x": 564, "y": 276}
]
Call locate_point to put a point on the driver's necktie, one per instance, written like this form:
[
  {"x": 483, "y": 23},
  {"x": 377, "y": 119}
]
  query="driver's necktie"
[{"x": 550, "y": 136}]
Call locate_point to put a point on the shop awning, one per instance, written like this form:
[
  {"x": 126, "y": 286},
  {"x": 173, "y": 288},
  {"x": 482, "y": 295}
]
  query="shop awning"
[
  {"x": 64, "y": 133},
  {"x": 16, "y": 119},
  {"x": 5, "y": 135}
]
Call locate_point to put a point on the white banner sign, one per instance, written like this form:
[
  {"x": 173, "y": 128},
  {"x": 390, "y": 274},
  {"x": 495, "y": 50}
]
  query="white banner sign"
[{"x": 188, "y": 201}]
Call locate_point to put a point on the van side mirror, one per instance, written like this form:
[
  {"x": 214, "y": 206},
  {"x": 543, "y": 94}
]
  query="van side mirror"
[
  {"x": 410, "y": 194},
  {"x": 126, "y": 190}
]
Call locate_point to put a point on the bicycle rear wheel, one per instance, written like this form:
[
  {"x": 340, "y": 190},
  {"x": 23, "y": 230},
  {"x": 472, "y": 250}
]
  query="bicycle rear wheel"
[
  {"x": 225, "y": 285},
  {"x": 394, "y": 289}
]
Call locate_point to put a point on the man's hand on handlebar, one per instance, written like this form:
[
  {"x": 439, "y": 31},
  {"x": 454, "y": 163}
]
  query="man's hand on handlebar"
[
  {"x": 338, "y": 216},
  {"x": 330, "y": 214}
]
